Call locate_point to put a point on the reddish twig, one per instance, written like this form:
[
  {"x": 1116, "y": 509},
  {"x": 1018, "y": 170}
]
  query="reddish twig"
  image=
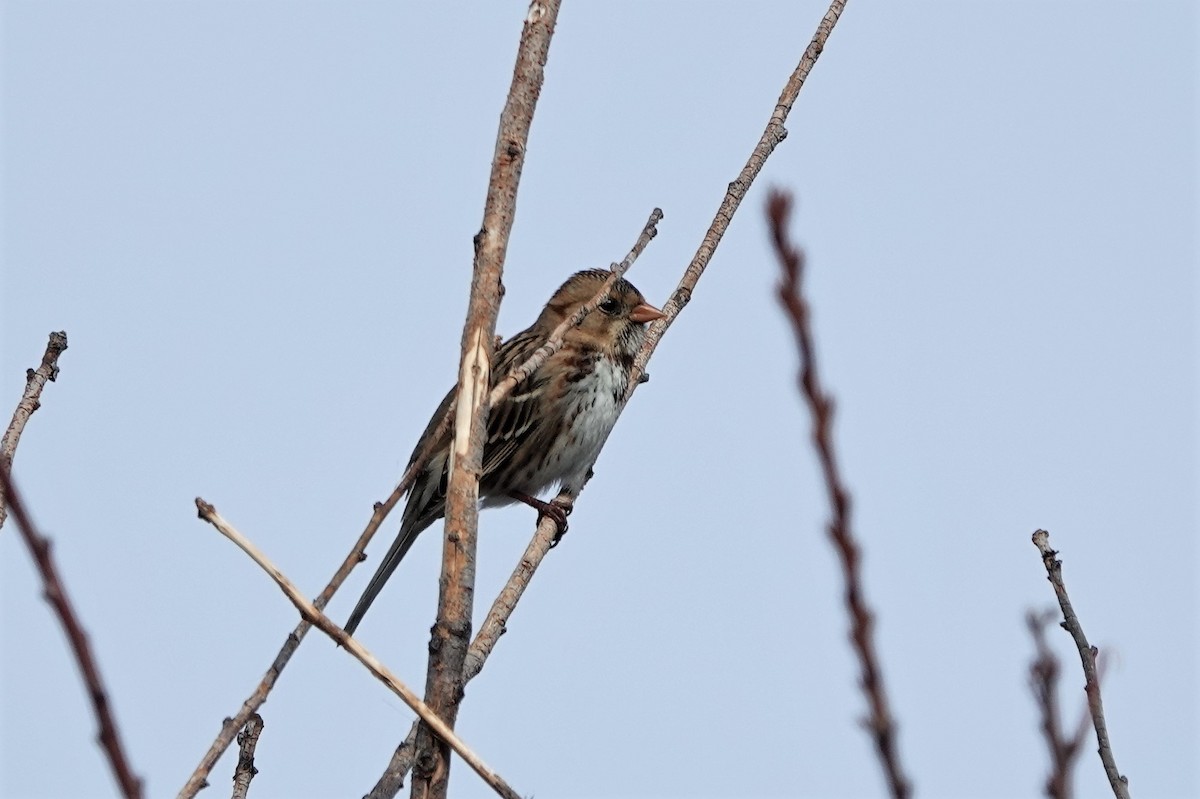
[
  {"x": 56, "y": 595},
  {"x": 880, "y": 722},
  {"x": 1087, "y": 655},
  {"x": 31, "y": 400},
  {"x": 1043, "y": 681}
]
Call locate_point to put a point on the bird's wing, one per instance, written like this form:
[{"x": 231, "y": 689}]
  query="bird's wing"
[
  {"x": 509, "y": 423},
  {"x": 514, "y": 419}
]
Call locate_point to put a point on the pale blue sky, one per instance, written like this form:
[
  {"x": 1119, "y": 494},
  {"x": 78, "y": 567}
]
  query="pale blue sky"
[{"x": 254, "y": 221}]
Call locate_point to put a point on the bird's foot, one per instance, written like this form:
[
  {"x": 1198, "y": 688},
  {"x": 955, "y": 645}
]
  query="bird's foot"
[{"x": 551, "y": 509}]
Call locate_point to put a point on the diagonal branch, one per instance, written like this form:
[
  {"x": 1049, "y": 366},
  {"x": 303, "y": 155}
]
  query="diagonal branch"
[
  {"x": 495, "y": 624},
  {"x": 774, "y": 133},
  {"x": 357, "y": 554},
  {"x": 1087, "y": 654},
  {"x": 314, "y": 616},
  {"x": 31, "y": 400},
  {"x": 392, "y": 780},
  {"x": 452, "y": 629},
  {"x": 56, "y": 595},
  {"x": 880, "y": 723},
  {"x": 737, "y": 190},
  {"x": 246, "y": 771},
  {"x": 555, "y": 341},
  {"x": 229, "y": 728}
]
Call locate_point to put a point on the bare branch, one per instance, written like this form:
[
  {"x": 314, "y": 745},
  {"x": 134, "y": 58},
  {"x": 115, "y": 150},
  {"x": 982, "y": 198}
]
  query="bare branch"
[
  {"x": 774, "y": 133},
  {"x": 314, "y": 616},
  {"x": 31, "y": 400},
  {"x": 247, "y": 741},
  {"x": 392, "y": 779},
  {"x": 737, "y": 190},
  {"x": 56, "y": 595},
  {"x": 1043, "y": 681},
  {"x": 555, "y": 341},
  {"x": 452, "y": 629},
  {"x": 229, "y": 728},
  {"x": 880, "y": 723},
  {"x": 391, "y": 782},
  {"x": 1087, "y": 655}
]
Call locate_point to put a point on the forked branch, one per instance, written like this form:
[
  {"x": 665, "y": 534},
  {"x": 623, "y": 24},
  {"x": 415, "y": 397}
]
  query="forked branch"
[
  {"x": 496, "y": 623},
  {"x": 1087, "y": 655},
  {"x": 1044, "y": 673},
  {"x": 314, "y": 616}
]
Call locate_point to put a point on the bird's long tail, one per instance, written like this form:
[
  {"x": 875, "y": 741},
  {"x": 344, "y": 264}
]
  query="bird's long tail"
[{"x": 409, "y": 530}]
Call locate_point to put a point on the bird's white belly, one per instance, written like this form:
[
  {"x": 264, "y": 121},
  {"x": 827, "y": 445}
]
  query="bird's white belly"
[
  {"x": 595, "y": 401},
  {"x": 590, "y": 410}
]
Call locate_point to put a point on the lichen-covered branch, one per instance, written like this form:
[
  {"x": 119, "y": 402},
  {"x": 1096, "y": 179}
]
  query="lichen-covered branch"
[
  {"x": 247, "y": 742},
  {"x": 31, "y": 400},
  {"x": 1087, "y": 655}
]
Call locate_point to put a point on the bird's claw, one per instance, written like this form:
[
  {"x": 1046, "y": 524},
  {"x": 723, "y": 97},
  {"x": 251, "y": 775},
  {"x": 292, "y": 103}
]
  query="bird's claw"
[{"x": 558, "y": 513}]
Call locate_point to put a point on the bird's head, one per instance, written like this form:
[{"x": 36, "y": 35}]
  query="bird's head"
[{"x": 618, "y": 323}]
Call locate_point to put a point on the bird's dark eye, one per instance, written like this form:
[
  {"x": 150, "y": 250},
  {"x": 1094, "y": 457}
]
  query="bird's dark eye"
[{"x": 610, "y": 306}]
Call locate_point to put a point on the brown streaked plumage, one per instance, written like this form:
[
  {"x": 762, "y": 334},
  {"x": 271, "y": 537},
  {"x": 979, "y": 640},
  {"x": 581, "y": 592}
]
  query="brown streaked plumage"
[{"x": 550, "y": 428}]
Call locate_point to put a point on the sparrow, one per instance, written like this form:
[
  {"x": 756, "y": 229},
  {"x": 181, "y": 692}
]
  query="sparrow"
[{"x": 550, "y": 428}]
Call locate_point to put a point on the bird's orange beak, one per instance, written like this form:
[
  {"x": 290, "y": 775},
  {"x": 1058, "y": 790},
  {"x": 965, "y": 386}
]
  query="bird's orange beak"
[{"x": 645, "y": 312}]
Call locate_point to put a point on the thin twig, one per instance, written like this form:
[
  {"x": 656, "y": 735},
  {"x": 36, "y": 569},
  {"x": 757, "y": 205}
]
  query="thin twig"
[
  {"x": 495, "y": 624},
  {"x": 1087, "y": 655},
  {"x": 880, "y": 723},
  {"x": 392, "y": 779},
  {"x": 1044, "y": 672},
  {"x": 56, "y": 595},
  {"x": 247, "y": 741},
  {"x": 555, "y": 341},
  {"x": 774, "y": 133},
  {"x": 451, "y": 633},
  {"x": 31, "y": 400},
  {"x": 314, "y": 615},
  {"x": 229, "y": 728}
]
